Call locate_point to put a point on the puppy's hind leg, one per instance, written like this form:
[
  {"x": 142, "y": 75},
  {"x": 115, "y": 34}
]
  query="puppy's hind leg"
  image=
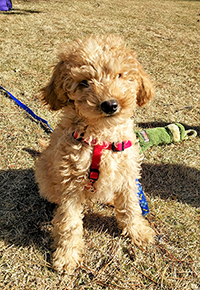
[
  {"x": 129, "y": 217},
  {"x": 67, "y": 232}
]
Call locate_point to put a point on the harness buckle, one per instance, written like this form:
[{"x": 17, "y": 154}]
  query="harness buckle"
[
  {"x": 118, "y": 149},
  {"x": 93, "y": 174}
]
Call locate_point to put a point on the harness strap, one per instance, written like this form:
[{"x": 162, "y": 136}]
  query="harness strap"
[{"x": 96, "y": 158}]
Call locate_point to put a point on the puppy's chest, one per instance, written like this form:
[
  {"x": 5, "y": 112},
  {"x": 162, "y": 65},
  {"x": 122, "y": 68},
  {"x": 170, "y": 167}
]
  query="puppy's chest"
[
  {"x": 114, "y": 162},
  {"x": 111, "y": 166},
  {"x": 114, "y": 168},
  {"x": 104, "y": 162},
  {"x": 104, "y": 159}
]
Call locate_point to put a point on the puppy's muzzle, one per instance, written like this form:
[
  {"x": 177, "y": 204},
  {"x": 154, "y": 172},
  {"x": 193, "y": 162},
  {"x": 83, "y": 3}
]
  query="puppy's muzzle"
[{"x": 109, "y": 107}]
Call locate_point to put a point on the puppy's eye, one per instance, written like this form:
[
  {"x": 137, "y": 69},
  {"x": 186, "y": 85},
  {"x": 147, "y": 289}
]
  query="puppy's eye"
[
  {"x": 84, "y": 83},
  {"x": 119, "y": 76}
]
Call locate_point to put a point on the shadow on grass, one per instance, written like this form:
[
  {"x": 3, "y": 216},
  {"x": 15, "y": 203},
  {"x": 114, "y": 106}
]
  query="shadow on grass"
[
  {"x": 172, "y": 181},
  {"x": 25, "y": 218},
  {"x": 99, "y": 222}
]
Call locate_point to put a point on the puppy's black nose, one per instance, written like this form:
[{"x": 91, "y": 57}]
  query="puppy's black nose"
[{"x": 109, "y": 107}]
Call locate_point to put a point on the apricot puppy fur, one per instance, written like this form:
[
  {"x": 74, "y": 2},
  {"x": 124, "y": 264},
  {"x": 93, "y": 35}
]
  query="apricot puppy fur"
[{"x": 97, "y": 82}]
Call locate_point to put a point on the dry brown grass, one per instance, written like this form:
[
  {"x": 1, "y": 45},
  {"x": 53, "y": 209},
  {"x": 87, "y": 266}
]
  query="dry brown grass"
[{"x": 165, "y": 35}]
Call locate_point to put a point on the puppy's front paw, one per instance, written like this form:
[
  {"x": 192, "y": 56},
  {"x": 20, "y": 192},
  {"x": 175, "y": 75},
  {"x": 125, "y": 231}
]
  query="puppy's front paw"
[
  {"x": 66, "y": 260},
  {"x": 140, "y": 233}
]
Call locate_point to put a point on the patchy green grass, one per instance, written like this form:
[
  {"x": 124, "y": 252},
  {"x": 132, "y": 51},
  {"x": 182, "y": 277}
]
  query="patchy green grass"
[{"x": 165, "y": 35}]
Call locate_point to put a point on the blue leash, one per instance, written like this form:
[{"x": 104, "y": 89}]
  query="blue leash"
[
  {"x": 142, "y": 199},
  {"x": 27, "y": 109}
]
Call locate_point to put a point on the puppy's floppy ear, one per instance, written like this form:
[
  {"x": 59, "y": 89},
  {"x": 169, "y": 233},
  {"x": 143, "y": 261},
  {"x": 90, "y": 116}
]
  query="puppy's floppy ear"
[
  {"x": 145, "y": 87},
  {"x": 54, "y": 93}
]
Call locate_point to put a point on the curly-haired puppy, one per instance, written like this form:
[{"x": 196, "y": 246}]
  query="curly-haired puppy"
[{"x": 93, "y": 154}]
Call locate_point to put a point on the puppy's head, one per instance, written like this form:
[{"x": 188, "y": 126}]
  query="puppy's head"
[{"x": 101, "y": 76}]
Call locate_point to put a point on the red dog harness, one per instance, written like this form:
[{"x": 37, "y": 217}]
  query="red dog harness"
[{"x": 96, "y": 158}]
